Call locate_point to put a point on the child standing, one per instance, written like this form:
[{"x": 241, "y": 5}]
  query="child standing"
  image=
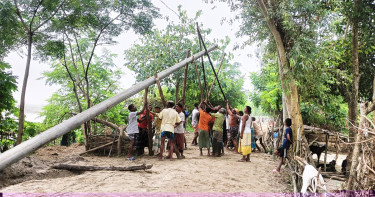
[{"x": 283, "y": 149}]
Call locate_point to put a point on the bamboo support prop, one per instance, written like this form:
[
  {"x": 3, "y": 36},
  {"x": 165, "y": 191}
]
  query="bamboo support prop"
[
  {"x": 160, "y": 90},
  {"x": 149, "y": 124},
  {"x": 202, "y": 63},
  {"x": 185, "y": 78},
  {"x": 218, "y": 72},
  {"x": 199, "y": 79},
  {"x": 22, "y": 150},
  {"x": 325, "y": 154},
  {"x": 99, "y": 147},
  {"x": 209, "y": 59}
]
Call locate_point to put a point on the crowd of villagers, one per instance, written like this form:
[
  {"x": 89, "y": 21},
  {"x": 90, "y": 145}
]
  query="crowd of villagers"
[{"x": 216, "y": 127}]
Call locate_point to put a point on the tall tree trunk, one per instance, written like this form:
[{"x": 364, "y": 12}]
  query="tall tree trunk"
[
  {"x": 353, "y": 103},
  {"x": 353, "y": 94},
  {"x": 21, "y": 118},
  {"x": 356, "y": 150},
  {"x": 288, "y": 83},
  {"x": 373, "y": 97}
]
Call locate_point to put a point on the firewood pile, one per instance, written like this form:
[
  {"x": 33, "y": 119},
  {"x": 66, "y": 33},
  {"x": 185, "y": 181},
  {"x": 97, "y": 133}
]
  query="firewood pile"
[{"x": 106, "y": 144}]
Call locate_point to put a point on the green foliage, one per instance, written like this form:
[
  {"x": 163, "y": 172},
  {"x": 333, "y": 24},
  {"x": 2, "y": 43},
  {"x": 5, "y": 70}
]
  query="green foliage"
[
  {"x": 8, "y": 124},
  {"x": 8, "y": 85},
  {"x": 10, "y": 28},
  {"x": 103, "y": 76},
  {"x": 267, "y": 94},
  {"x": 160, "y": 49},
  {"x": 318, "y": 47},
  {"x": 330, "y": 116}
]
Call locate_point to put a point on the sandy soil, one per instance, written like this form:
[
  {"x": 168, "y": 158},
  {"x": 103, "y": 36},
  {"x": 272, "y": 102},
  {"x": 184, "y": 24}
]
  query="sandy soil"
[{"x": 193, "y": 174}]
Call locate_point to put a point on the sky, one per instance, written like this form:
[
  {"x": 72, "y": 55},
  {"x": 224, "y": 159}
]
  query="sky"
[{"x": 38, "y": 91}]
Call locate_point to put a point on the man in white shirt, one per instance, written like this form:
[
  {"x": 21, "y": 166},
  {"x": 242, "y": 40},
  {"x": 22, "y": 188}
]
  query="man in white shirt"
[
  {"x": 169, "y": 120},
  {"x": 132, "y": 128},
  {"x": 179, "y": 131},
  {"x": 194, "y": 123}
]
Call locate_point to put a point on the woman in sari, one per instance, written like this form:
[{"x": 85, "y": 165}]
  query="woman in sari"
[{"x": 245, "y": 136}]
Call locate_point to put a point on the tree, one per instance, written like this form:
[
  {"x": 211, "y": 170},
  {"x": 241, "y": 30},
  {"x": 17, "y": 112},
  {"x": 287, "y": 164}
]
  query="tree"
[
  {"x": 103, "y": 77},
  {"x": 290, "y": 28},
  {"x": 35, "y": 17},
  {"x": 83, "y": 26},
  {"x": 158, "y": 50},
  {"x": 10, "y": 28}
]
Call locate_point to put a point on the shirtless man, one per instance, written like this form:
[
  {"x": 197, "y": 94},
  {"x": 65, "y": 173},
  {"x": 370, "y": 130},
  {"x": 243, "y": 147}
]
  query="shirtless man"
[{"x": 233, "y": 126}]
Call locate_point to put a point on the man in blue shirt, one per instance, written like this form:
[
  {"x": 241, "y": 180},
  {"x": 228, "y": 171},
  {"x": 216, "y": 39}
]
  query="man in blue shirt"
[{"x": 282, "y": 150}]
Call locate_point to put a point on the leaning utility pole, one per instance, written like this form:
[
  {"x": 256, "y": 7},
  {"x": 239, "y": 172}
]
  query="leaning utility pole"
[{"x": 22, "y": 150}]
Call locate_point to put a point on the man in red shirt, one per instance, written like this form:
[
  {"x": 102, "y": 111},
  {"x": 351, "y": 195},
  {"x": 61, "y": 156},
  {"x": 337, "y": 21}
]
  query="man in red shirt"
[{"x": 142, "y": 140}]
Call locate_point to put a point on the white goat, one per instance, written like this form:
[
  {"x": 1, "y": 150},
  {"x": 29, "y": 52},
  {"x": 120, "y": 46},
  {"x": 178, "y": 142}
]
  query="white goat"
[{"x": 309, "y": 177}]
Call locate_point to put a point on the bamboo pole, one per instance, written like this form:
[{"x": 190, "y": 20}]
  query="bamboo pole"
[
  {"x": 160, "y": 91},
  {"x": 22, "y": 150},
  {"x": 99, "y": 147},
  {"x": 212, "y": 66},
  {"x": 325, "y": 154},
  {"x": 185, "y": 77},
  {"x": 149, "y": 126},
  {"x": 218, "y": 72},
  {"x": 199, "y": 79},
  {"x": 177, "y": 91}
]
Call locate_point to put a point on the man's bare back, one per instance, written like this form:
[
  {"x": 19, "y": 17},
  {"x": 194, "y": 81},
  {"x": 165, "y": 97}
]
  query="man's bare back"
[{"x": 233, "y": 120}]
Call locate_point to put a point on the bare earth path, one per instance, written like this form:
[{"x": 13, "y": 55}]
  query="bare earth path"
[{"x": 193, "y": 174}]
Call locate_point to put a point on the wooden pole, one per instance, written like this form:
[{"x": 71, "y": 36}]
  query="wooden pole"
[
  {"x": 199, "y": 79},
  {"x": 298, "y": 139},
  {"x": 25, "y": 148},
  {"x": 213, "y": 82},
  {"x": 177, "y": 91},
  {"x": 337, "y": 146},
  {"x": 149, "y": 126},
  {"x": 119, "y": 144},
  {"x": 185, "y": 77},
  {"x": 100, "y": 168},
  {"x": 325, "y": 152},
  {"x": 160, "y": 91},
  {"x": 202, "y": 62},
  {"x": 209, "y": 59},
  {"x": 99, "y": 147}
]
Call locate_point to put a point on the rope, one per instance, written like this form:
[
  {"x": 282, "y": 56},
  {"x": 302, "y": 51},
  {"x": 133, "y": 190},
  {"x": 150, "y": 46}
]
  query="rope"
[{"x": 209, "y": 59}]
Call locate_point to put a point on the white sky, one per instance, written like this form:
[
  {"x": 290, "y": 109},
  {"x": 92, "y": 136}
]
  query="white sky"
[{"x": 38, "y": 92}]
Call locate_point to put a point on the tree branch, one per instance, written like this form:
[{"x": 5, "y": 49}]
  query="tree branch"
[
  {"x": 35, "y": 11},
  {"x": 96, "y": 42},
  {"x": 107, "y": 123},
  {"x": 49, "y": 18},
  {"x": 18, "y": 12}
]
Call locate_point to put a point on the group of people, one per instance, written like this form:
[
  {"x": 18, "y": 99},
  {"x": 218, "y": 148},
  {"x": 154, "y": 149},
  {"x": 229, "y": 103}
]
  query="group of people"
[
  {"x": 211, "y": 126},
  {"x": 168, "y": 124}
]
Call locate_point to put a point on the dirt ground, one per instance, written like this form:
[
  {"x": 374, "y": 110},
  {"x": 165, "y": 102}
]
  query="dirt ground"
[{"x": 193, "y": 174}]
